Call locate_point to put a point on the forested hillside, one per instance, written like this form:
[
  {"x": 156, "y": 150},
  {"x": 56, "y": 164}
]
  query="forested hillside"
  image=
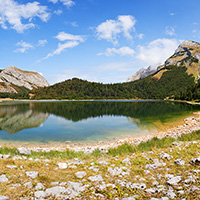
[{"x": 173, "y": 82}]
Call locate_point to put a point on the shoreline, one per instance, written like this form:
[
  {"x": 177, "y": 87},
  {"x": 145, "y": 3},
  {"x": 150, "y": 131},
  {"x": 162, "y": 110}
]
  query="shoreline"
[{"x": 185, "y": 126}]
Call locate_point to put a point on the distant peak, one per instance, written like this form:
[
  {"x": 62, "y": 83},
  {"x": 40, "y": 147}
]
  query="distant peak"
[{"x": 190, "y": 43}]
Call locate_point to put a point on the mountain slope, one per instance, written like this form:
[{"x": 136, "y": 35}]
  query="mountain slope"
[
  {"x": 14, "y": 80},
  {"x": 186, "y": 55}
]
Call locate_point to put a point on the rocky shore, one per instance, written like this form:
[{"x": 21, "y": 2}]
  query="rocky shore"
[
  {"x": 161, "y": 174},
  {"x": 171, "y": 173},
  {"x": 190, "y": 124}
]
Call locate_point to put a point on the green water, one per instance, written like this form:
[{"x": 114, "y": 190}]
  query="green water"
[{"x": 85, "y": 121}]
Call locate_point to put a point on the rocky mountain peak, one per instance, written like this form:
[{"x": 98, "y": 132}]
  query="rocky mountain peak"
[
  {"x": 13, "y": 76},
  {"x": 187, "y": 54}
]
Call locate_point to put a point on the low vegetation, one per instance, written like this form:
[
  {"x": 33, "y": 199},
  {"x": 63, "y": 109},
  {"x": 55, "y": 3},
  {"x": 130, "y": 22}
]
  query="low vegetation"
[{"x": 132, "y": 160}]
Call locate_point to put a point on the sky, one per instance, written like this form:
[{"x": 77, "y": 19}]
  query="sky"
[{"x": 96, "y": 40}]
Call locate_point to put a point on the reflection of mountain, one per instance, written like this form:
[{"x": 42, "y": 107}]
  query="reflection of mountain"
[{"x": 15, "y": 118}]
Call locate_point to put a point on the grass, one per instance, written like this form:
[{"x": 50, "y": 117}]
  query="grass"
[
  {"x": 122, "y": 150},
  {"x": 49, "y": 171}
]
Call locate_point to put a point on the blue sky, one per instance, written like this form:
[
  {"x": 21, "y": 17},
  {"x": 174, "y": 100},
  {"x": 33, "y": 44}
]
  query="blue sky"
[{"x": 96, "y": 40}]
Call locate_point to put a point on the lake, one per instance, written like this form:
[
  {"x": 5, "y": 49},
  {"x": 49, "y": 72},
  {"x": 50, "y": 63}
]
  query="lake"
[{"x": 86, "y": 121}]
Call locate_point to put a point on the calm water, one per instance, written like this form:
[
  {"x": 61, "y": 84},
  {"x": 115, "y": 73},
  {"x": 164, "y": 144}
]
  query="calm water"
[{"x": 89, "y": 121}]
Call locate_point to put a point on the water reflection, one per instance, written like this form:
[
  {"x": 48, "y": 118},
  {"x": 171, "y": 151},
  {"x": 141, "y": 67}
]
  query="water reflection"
[
  {"x": 14, "y": 118},
  {"x": 85, "y": 120}
]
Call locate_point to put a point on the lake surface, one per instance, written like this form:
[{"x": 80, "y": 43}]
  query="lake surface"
[{"x": 86, "y": 121}]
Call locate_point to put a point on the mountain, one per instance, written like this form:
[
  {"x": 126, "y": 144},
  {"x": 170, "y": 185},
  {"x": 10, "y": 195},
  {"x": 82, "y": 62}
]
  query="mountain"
[
  {"x": 14, "y": 119},
  {"x": 186, "y": 55},
  {"x": 142, "y": 73},
  {"x": 171, "y": 80},
  {"x": 14, "y": 80}
]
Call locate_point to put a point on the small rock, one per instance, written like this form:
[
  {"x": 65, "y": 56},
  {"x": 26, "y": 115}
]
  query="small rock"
[
  {"x": 80, "y": 174},
  {"x": 28, "y": 184},
  {"x": 174, "y": 181},
  {"x": 126, "y": 161},
  {"x": 17, "y": 158},
  {"x": 171, "y": 194},
  {"x": 165, "y": 156},
  {"x": 40, "y": 194},
  {"x": 179, "y": 162},
  {"x": 32, "y": 174},
  {"x": 39, "y": 186},
  {"x": 55, "y": 190},
  {"x": 96, "y": 178},
  {"x": 3, "y": 178},
  {"x": 62, "y": 165},
  {"x": 3, "y": 197},
  {"x": 195, "y": 161},
  {"x": 24, "y": 151},
  {"x": 11, "y": 166}
]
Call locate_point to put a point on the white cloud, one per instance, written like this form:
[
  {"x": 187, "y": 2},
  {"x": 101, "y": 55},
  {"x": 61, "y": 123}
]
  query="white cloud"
[
  {"x": 111, "y": 29},
  {"x": 23, "y": 47},
  {"x": 74, "y": 24},
  {"x": 62, "y": 36},
  {"x": 71, "y": 41},
  {"x": 62, "y": 47},
  {"x": 172, "y": 14},
  {"x": 123, "y": 51},
  {"x": 68, "y": 3},
  {"x": 58, "y": 12},
  {"x": 169, "y": 30},
  {"x": 41, "y": 43},
  {"x": 13, "y": 13},
  {"x": 140, "y": 36},
  {"x": 157, "y": 51}
]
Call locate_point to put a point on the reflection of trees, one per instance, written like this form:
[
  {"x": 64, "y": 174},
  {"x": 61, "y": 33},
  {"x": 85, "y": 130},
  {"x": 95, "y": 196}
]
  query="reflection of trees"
[
  {"x": 143, "y": 111},
  {"x": 14, "y": 118}
]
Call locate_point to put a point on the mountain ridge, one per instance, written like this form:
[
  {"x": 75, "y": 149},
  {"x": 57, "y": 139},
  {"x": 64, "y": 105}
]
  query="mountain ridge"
[
  {"x": 187, "y": 54},
  {"x": 13, "y": 80}
]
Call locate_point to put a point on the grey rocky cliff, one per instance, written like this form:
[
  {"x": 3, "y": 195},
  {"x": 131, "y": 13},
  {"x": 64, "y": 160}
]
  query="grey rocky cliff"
[
  {"x": 14, "y": 76},
  {"x": 142, "y": 73}
]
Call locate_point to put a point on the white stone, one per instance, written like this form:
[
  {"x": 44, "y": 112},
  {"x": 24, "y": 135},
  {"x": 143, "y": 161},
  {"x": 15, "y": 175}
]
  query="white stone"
[
  {"x": 80, "y": 174},
  {"x": 40, "y": 194},
  {"x": 11, "y": 166},
  {"x": 96, "y": 178},
  {"x": 62, "y": 165},
  {"x": 55, "y": 190},
  {"x": 3, "y": 197},
  {"x": 32, "y": 174},
  {"x": 39, "y": 186},
  {"x": 24, "y": 151},
  {"x": 179, "y": 162},
  {"x": 28, "y": 184},
  {"x": 174, "y": 181},
  {"x": 3, "y": 178}
]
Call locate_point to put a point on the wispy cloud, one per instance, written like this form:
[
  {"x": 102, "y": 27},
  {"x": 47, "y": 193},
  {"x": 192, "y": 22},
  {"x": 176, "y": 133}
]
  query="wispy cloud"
[
  {"x": 68, "y": 3},
  {"x": 70, "y": 42},
  {"x": 41, "y": 43},
  {"x": 170, "y": 30},
  {"x": 58, "y": 12},
  {"x": 111, "y": 29},
  {"x": 123, "y": 51},
  {"x": 12, "y": 13},
  {"x": 23, "y": 47}
]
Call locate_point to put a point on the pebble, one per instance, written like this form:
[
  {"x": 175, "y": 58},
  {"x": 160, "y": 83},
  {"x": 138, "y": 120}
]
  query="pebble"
[
  {"x": 80, "y": 174},
  {"x": 24, "y": 151},
  {"x": 32, "y": 174},
  {"x": 3, "y": 179}
]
